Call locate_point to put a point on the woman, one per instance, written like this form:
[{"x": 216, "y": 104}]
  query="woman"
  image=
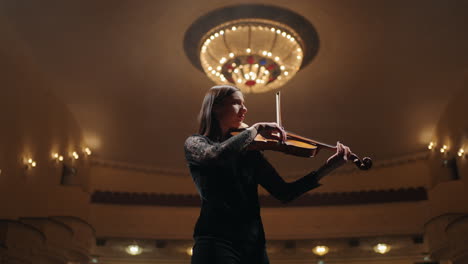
[{"x": 229, "y": 228}]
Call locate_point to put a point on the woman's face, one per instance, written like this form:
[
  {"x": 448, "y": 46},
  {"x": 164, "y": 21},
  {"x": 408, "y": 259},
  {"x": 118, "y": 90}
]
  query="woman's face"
[{"x": 231, "y": 112}]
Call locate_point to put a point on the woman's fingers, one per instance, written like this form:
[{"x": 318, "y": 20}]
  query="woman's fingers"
[{"x": 343, "y": 151}]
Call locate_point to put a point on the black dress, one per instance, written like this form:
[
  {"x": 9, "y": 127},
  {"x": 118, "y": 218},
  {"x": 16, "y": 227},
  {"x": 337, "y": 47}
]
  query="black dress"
[{"x": 229, "y": 228}]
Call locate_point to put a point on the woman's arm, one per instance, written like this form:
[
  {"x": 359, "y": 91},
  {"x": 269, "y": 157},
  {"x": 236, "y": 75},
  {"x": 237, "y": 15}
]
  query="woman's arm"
[
  {"x": 269, "y": 179},
  {"x": 199, "y": 151}
]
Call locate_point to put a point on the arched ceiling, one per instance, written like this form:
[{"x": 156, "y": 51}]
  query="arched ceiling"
[{"x": 382, "y": 77}]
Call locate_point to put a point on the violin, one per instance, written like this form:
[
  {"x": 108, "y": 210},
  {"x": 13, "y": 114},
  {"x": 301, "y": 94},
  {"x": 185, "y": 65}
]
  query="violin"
[{"x": 297, "y": 145}]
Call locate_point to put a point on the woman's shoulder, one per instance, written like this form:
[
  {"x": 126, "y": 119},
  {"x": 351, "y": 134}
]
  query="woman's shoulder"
[{"x": 195, "y": 140}]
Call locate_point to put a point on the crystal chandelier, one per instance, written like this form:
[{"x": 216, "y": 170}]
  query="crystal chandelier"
[{"x": 256, "y": 55}]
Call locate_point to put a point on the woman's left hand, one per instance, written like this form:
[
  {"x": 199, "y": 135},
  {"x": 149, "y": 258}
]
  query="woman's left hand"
[{"x": 341, "y": 156}]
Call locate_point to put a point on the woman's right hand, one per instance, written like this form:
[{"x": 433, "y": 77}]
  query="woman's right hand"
[{"x": 271, "y": 130}]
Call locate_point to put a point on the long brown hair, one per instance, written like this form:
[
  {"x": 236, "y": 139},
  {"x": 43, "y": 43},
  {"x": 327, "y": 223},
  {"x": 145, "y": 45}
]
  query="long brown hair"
[{"x": 209, "y": 125}]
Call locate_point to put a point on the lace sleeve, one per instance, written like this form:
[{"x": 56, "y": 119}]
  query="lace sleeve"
[
  {"x": 269, "y": 179},
  {"x": 200, "y": 151}
]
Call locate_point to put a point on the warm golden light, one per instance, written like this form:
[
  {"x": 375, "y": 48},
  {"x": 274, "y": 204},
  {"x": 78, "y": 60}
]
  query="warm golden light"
[
  {"x": 57, "y": 157},
  {"x": 87, "y": 151},
  {"x": 268, "y": 44},
  {"x": 190, "y": 251},
  {"x": 320, "y": 250},
  {"x": 460, "y": 152},
  {"x": 75, "y": 155},
  {"x": 431, "y": 145},
  {"x": 134, "y": 250},
  {"x": 381, "y": 248},
  {"x": 30, "y": 163}
]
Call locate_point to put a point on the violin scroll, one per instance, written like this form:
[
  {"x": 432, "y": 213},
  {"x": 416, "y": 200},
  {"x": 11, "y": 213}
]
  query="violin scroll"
[{"x": 365, "y": 164}]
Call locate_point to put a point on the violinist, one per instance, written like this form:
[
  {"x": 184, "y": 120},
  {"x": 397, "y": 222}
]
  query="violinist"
[{"x": 226, "y": 174}]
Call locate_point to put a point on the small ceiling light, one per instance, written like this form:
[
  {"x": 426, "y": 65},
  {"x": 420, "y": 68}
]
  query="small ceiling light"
[
  {"x": 75, "y": 155},
  {"x": 320, "y": 250},
  {"x": 190, "y": 251},
  {"x": 134, "y": 249},
  {"x": 381, "y": 248}
]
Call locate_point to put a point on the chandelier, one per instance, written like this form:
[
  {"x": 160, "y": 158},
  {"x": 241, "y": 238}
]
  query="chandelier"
[{"x": 255, "y": 55}]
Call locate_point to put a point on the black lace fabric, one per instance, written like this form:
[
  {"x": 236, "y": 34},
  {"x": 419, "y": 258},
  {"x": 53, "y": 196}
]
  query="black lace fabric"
[
  {"x": 227, "y": 176},
  {"x": 200, "y": 150}
]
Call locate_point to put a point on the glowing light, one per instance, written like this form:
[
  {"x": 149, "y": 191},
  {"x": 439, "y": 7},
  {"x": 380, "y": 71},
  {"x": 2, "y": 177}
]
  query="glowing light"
[
  {"x": 246, "y": 58},
  {"x": 190, "y": 251},
  {"x": 320, "y": 250},
  {"x": 87, "y": 151},
  {"x": 381, "y": 248},
  {"x": 134, "y": 250},
  {"x": 57, "y": 157},
  {"x": 431, "y": 145}
]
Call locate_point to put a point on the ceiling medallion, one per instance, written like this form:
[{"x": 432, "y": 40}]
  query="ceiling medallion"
[{"x": 253, "y": 47}]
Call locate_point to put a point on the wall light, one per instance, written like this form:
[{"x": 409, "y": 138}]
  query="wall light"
[
  {"x": 57, "y": 157},
  {"x": 320, "y": 250},
  {"x": 30, "y": 163},
  {"x": 431, "y": 145},
  {"x": 461, "y": 152},
  {"x": 190, "y": 251},
  {"x": 443, "y": 149},
  {"x": 87, "y": 151},
  {"x": 381, "y": 248},
  {"x": 75, "y": 155}
]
